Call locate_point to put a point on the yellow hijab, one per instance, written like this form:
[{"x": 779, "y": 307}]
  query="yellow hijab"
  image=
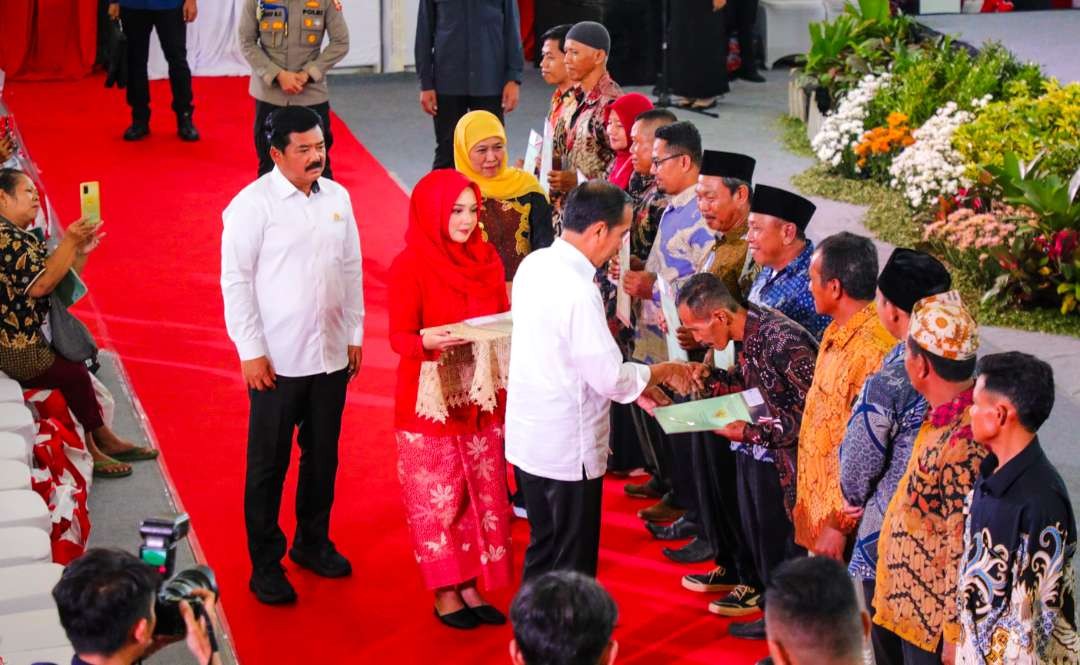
[{"x": 511, "y": 182}]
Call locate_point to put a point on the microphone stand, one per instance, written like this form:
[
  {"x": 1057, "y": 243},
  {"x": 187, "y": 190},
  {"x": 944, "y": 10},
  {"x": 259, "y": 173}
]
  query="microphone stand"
[{"x": 663, "y": 93}]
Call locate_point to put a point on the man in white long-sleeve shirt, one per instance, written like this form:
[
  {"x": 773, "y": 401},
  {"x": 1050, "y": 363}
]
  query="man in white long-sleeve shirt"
[
  {"x": 294, "y": 306},
  {"x": 565, "y": 370}
]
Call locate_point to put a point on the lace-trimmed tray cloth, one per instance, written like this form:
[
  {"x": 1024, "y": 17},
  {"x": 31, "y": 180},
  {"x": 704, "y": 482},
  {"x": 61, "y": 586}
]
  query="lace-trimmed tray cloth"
[{"x": 468, "y": 374}]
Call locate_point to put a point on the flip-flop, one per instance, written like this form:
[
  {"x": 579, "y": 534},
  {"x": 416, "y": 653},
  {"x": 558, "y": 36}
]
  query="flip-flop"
[
  {"x": 136, "y": 454},
  {"x": 110, "y": 468}
]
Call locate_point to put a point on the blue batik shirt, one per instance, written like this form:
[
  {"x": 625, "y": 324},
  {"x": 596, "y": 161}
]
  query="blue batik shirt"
[
  {"x": 885, "y": 421},
  {"x": 788, "y": 290}
]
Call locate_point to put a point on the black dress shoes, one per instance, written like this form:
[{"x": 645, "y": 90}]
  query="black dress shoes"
[
  {"x": 185, "y": 128},
  {"x": 137, "y": 131},
  {"x": 271, "y": 587},
  {"x": 326, "y": 562},
  {"x": 463, "y": 619},
  {"x": 750, "y": 630},
  {"x": 751, "y": 75},
  {"x": 696, "y": 551},
  {"x": 489, "y": 615},
  {"x": 680, "y": 529}
]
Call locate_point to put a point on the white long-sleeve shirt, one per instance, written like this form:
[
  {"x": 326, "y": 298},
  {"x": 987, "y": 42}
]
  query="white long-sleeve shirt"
[
  {"x": 291, "y": 275},
  {"x": 565, "y": 369}
]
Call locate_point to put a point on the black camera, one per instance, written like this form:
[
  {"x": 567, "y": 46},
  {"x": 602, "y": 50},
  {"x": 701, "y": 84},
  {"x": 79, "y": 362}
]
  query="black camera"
[{"x": 160, "y": 536}]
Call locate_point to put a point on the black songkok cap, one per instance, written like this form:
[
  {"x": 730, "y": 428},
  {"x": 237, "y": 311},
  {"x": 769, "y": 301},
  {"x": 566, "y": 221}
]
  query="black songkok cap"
[
  {"x": 909, "y": 276},
  {"x": 782, "y": 204},
  {"x": 728, "y": 165},
  {"x": 592, "y": 34}
]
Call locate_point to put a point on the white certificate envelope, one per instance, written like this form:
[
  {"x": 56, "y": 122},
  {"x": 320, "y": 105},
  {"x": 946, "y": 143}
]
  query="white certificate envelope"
[
  {"x": 532, "y": 152},
  {"x": 671, "y": 315},
  {"x": 622, "y": 298},
  {"x": 546, "y": 150}
]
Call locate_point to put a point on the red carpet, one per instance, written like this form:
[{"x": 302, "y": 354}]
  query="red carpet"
[{"x": 155, "y": 300}]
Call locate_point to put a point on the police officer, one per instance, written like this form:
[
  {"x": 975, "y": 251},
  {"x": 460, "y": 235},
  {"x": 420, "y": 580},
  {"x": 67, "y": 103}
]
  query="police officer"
[{"x": 282, "y": 41}]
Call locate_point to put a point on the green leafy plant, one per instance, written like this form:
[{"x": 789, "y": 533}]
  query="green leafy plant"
[{"x": 1052, "y": 199}]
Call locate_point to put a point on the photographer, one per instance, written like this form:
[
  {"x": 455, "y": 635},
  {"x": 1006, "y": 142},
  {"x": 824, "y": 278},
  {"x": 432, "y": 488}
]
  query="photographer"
[{"x": 106, "y": 601}]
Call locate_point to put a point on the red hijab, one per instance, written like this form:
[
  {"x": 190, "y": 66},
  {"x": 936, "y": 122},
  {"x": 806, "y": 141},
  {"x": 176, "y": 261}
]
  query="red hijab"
[
  {"x": 472, "y": 267},
  {"x": 628, "y": 108}
]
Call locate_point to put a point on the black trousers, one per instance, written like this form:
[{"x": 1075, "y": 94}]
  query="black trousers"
[
  {"x": 890, "y": 648},
  {"x": 741, "y": 17},
  {"x": 564, "y": 524},
  {"x": 767, "y": 530},
  {"x": 172, "y": 31},
  {"x": 683, "y": 492},
  {"x": 313, "y": 405},
  {"x": 717, "y": 505},
  {"x": 262, "y": 136},
  {"x": 451, "y": 108},
  {"x": 655, "y": 447},
  {"x": 626, "y": 452}
]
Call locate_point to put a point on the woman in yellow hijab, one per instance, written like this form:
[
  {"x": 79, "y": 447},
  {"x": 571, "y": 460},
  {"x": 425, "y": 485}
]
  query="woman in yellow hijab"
[{"x": 516, "y": 215}]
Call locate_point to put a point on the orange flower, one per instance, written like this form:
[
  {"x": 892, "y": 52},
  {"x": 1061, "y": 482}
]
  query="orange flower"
[{"x": 896, "y": 119}]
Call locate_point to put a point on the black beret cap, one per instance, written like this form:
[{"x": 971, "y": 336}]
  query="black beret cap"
[
  {"x": 783, "y": 204},
  {"x": 728, "y": 165},
  {"x": 909, "y": 276}
]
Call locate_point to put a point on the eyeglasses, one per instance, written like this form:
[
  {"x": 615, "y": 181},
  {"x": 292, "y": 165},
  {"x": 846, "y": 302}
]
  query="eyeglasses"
[{"x": 657, "y": 162}]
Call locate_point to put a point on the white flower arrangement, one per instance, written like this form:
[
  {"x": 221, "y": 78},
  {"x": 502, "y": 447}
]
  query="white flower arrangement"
[
  {"x": 931, "y": 167},
  {"x": 842, "y": 129}
]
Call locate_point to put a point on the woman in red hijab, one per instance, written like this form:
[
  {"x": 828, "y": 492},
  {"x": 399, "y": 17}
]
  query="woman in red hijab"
[
  {"x": 624, "y": 111},
  {"x": 453, "y": 473}
]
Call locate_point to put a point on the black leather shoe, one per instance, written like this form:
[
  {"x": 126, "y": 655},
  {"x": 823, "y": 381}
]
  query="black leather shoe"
[
  {"x": 489, "y": 615},
  {"x": 749, "y": 630},
  {"x": 680, "y": 529},
  {"x": 185, "y": 128},
  {"x": 695, "y": 551},
  {"x": 137, "y": 131},
  {"x": 463, "y": 619},
  {"x": 767, "y": 660},
  {"x": 327, "y": 562},
  {"x": 271, "y": 587},
  {"x": 751, "y": 75}
]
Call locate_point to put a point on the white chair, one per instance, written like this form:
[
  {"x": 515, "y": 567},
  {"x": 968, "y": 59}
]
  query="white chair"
[
  {"x": 31, "y": 631},
  {"x": 28, "y": 587},
  {"x": 16, "y": 418},
  {"x": 10, "y": 391},
  {"x": 22, "y": 545},
  {"x": 784, "y": 25},
  {"x": 24, "y": 508},
  {"x": 14, "y": 476},
  {"x": 13, "y": 447}
]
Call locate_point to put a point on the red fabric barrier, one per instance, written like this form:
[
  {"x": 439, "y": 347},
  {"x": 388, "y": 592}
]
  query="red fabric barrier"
[{"x": 48, "y": 39}]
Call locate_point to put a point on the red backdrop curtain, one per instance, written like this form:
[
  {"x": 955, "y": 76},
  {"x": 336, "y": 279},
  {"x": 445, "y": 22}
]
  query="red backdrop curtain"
[{"x": 48, "y": 39}]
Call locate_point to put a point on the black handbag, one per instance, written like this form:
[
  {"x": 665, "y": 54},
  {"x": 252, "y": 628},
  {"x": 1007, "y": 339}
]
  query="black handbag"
[
  {"x": 70, "y": 337},
  {"x": 117, "y": 69}
]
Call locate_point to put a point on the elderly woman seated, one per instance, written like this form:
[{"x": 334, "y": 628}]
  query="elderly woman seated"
[{"x": 28, "y": 274}]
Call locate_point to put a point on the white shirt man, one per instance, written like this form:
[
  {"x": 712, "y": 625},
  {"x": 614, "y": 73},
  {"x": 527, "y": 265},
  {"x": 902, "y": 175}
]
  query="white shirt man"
[
  {"x": 565, "y": 370},
  {"x": 294, "y": 306}
]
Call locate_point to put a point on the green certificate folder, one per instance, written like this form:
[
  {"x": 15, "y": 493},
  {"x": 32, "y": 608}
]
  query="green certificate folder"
[
  {"x": 71, "y": 289},
  {"x": 706, "y": 415}
]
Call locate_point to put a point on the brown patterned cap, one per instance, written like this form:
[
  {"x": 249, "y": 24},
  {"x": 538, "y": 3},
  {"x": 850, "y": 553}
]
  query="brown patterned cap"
[{"x": 942, "y": 325}]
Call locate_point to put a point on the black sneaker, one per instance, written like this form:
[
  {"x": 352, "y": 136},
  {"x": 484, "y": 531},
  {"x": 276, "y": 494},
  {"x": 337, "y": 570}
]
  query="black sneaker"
[
  {"x": 137, "y": 131},
  {"x": 740, "y": 601},
  {"x": 327, "y": 562},
  {"x": 271, "y": 587},
  {"x": 717, "y": 580},
  {"x": 185, "y": 128},
  {"x": 748, "y": 630}
]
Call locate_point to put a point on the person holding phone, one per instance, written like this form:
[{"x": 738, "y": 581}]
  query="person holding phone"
[{"x": 29, "y": 274}]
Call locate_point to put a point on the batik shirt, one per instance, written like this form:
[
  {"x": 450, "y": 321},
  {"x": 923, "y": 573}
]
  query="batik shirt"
[
  {"x": 922, "y": 535},
  {"x": 849, "y": 353},
  {"x": 22, "y": 260},
  {"x": 778, "y": 358},
  {"x": 681, "y": 243},
  {"x": 586, "y": 141},
  {"x": 788, "y": 290},
  {"x": 1016, "y": 592},
  {"x": 727, "y": 258},
  {"x": 649, "y": 205},
  {"x": 875, "y": 451},
  {"x": 563, "y": 105}
]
